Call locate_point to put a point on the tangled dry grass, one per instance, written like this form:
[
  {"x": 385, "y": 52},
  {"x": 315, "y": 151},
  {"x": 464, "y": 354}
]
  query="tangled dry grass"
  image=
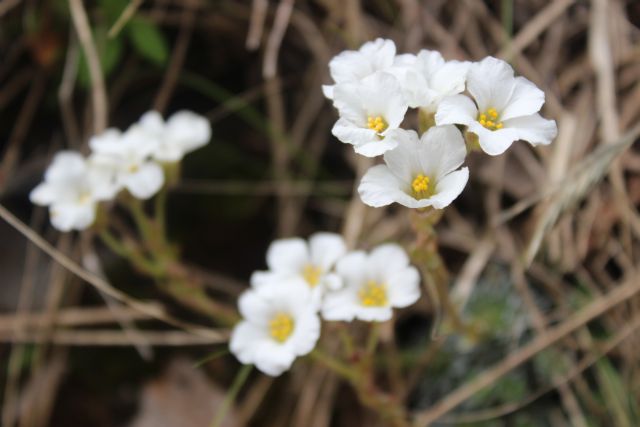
[{"x": 543, "y": 245}]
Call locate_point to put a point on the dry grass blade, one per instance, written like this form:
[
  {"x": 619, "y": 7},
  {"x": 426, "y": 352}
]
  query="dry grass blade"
[
  {"x": 103, "y": 285},
  {"x": 113, "y": 338},
  {"x": 98, "y": 91},
  {"x": 573, "y": 189}
]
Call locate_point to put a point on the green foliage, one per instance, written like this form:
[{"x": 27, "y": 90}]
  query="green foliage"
[
  {"x": 109, "y": 51},
  {"x": 148, "y": 41}
]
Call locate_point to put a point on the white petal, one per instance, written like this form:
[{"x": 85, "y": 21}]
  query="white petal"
[
  {"x": 403, "y": 161},
  {"x": 491, "y": 83},
  {"x": 332, "y": 282},
  {"x": 442, "y": 150},
  {"x": 146, "y": 181},
  {"x": 108, "y": 142},
  {"x": 339, "y": 306},
  {"x": 273, "y": 359},
  {"x": 67, "y": 217},
  {"x": 379, "y": 187},
  {"x": 352, "y": 268},
  {"x": 404, "y": 287},
  {"x": 327, "y": 91},
  {"x": 306, "y": 334},
  {"x": 494, "y": 142},
  {"x": 264, "y": 278},
  {"x": 376, "y": 147},
  {"x": 373, "y": 314},
  {"x": 450, "y": 187},
  {"x": 450, "y": 79},
  {"x": 288, "y": 255},
  {"x": 350, "y": 133},
  {"x": 525, "y": 100},
  {"x": 325, "y": 249},
  {"x": 254, "y": 307},
  {"x": 66, "y": 165},
  {"x": 152, "y": 121},
  {"x": 44, "y": 194},
  {"x": 387, "y": 259},
  {"x": 534, "y": 129},
  {"x": 245, "y": 339},
  {"x": 189, "y": 130},
  {"x": 457, "y": 109}
]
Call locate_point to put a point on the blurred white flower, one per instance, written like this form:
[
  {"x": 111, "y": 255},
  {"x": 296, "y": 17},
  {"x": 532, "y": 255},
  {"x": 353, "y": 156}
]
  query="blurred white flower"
[
  {"x": 280, "y": 324},
  {"x": 294, "y": 262},
  {"x": 419, "y": 172},
  {"x": 182, "y": 133},
  {"x": 72, "y": 188},
  {"x": 426, "y": 78},
  {"x": 505, "y": 110},
  {"x": 352, "y": 66},
  {"x": 128, "y": 156},
  {"x": 370, "y": 111},
  {"x": 374, "y": 284}
]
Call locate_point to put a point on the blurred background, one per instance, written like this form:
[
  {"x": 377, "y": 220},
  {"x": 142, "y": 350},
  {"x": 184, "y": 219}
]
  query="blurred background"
[{"x": 542, "y": 246}]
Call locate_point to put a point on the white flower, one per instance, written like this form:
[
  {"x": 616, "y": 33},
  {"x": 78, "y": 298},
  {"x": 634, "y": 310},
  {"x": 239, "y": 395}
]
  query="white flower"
[
  {"x": 426, "y": 78},
  {"x": 370, "y": 112},
  {"x": 505, "y": 110},
  {"x": 374, "y": 284},
  {"x": 182, "y": 133},
  {"x": 420, "y": 172},
  {"x": 72, "y": 188},
  {"x": 352, "y": 66},
  {"x": 295, "y": 262},
  {"x": 279, "y": 325},
  {"x": 128, "y": 156}
]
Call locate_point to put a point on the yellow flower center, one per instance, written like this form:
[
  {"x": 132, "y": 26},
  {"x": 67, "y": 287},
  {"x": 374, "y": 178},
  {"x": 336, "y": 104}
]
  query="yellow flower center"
[
  {"x": 377, "y": 123},
  {"x": 133, "y": 168},
  {"x": 490, "y": 119},
  {"x": 373, "y": 294},
  {"x": 281, "y": 327},
  {"x": 420, "y": 187},
  {"x": 312, "y": 274},
  {"x": 84, "y": 197}
]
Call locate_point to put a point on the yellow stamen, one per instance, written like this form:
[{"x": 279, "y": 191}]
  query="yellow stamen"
[
  {"x": 84, "y": 197},
  {"x": 420, "y": 187},
  {"x": 281, "y": 327},
  {"x": 490, "y": 119},
  {"x": 373, "y": 294},
  {"x": 377, "y": 123},
  {"x": 133, "y": 168},
  {"x": 311, "y": 274}
]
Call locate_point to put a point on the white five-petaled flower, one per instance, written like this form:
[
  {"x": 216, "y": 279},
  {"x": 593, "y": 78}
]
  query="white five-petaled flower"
[
  {"x": 419, "y": 172},
  {"x": 374, "y": 284},
  {"x": 128, "y": 155},
  {"x": 182, "y": 133},
  {"x": 505, "y": 110},
  {"x": 426, "y": 78},
  {"x": 294, "y": 262},
  {"x": 370, "y": 113},
  {"x": 72, "y": 188},
  {"x": 354, "y": 65},
  {"x": 280, "y": 324}
]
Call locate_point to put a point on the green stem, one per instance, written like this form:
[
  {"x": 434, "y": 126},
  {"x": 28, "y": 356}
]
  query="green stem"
[
  {"x": 224, "y": 407},
  {"x": 130, "y": 253},
  {"x": 372, "y": 341},
  {"x": 337, "y": 366},
  {"x": 160, "y": 212}
]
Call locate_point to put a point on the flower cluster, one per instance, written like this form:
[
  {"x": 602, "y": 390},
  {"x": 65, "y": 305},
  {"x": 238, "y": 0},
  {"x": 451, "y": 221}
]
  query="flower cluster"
[
  {"x": 308, "y": 280},
  {"x": 480, "y": 102},
  {"x": 132, "y": 160}
]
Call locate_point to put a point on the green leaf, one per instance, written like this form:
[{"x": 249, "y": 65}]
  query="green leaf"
[
  {"x": 113, "y": 9},
  {"x": 109, "y": 51},
  {"x": 148, "y": 40}
]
